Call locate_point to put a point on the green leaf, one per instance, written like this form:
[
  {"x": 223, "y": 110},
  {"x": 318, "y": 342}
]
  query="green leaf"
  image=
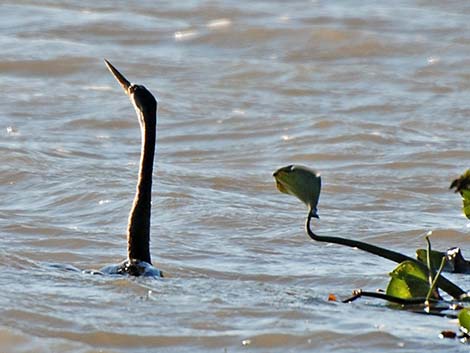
[
  {"x": 301, "y": 182},
  {"x": 466, "y": 202},
  {"x": 436, "y": 257},
  {"x": 408, "y": 281},
  {"x": 464, "y": 319},
  {"x": 462, "y": 186},
  {"x": 455, "y": 263}
]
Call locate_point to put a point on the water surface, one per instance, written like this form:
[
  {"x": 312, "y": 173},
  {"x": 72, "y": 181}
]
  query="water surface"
[{"x": 375, "y": 97}]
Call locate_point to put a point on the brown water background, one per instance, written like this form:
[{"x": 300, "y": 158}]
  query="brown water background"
[{"x": 375, "y": 95}]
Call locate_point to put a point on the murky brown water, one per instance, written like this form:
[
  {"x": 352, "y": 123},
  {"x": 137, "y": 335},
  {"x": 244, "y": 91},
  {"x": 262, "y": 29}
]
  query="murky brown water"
[{"x": 373, "y": 96}]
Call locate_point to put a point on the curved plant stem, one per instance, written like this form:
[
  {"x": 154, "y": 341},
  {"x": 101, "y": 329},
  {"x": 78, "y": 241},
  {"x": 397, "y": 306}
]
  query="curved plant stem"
[
  {"x": 434, "y": 280},
  {"x": 417, "y": 305},
  {"x": 443, "y": 283},
  {"x": 431, "y": 271},
  {"x": 358, "y": 293}
]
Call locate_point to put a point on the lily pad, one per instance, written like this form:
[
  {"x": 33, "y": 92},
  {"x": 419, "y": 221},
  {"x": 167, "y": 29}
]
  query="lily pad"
[
  {"x": 466, "y": 203},
  {"x": 408, "y": 281},
  {"x": 436, "y": 258},
  {"x": 301, "y": 182},
  {"x": 464, "y": 319},
  {"x": 455, "y": 263},
  {"x": 462, "y": 186}
]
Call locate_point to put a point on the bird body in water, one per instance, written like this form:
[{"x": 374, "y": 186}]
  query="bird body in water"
[{"x": 138, "y": 262}]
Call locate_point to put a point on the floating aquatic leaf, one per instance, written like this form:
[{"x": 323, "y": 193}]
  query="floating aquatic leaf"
[
  {"x": 408, "y": 281},
  {"x": 301, "y": 182},
  {"x": 462, "y": 183},
  {"x": 466, "y": 203},
  {"x": 455, "y": 263},
  {"x": 462, "y": 186},
  {"x": 436, "y": 257},
  {"x": 464, "y": 319}
]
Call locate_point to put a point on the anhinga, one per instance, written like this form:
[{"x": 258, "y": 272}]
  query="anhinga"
[{"x": 138, "y": 260}]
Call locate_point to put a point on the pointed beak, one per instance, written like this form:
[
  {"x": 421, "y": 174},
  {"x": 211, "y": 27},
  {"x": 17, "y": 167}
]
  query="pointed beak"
[{"x": 119, "y": 77}]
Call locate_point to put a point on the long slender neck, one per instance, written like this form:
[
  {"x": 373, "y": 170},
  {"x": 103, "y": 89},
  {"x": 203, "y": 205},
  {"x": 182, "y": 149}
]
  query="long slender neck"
[
  {"x": 443, "y": 283},
  {"x": 138, "y": 233}
]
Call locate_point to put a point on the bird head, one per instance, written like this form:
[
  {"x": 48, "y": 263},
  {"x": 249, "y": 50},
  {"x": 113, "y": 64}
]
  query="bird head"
[{"x": 144, "y": 102}]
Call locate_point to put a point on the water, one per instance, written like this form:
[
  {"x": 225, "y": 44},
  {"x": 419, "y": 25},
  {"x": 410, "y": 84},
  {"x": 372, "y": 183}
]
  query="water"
[{"x": 372, "y": 96}]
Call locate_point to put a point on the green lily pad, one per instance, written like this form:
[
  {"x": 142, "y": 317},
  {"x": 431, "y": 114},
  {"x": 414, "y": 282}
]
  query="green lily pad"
[
  {"x": 408, "y": 281},
  {"x": 301, "y": 182},
  {"x": 462, "y": 186},
  {"x": 466, "y": 202},
  {"x": 464, "y": 319},
  {"x": 436, "y": 257},
  {"x": 455, "y": 263}
]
